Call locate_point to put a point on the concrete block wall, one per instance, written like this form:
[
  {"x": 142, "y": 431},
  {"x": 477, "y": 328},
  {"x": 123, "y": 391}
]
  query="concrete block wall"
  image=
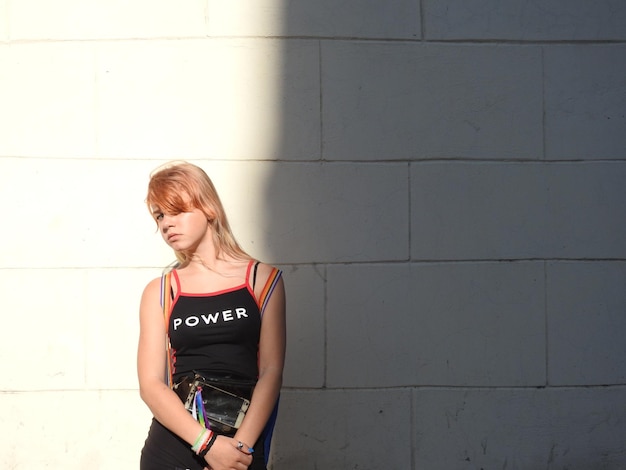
[{"x": 441, "y": 180}]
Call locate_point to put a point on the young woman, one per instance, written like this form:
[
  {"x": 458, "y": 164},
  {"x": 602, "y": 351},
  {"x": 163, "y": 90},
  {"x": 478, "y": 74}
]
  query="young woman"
[{"x": 227, "y": 318}]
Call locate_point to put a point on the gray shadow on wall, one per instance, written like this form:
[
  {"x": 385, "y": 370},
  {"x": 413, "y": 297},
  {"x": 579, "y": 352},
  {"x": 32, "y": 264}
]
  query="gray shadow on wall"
[{"x": 340, "y": 232}]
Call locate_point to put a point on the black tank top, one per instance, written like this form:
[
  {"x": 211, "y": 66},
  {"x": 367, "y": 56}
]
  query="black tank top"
[{"x": 216, "y": 332}]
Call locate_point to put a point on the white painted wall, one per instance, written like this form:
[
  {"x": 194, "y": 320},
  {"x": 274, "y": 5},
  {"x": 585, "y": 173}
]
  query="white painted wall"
[{"x": 442, "y": 181}]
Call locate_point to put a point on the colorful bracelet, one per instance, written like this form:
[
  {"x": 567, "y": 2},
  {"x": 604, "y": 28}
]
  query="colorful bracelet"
[{"x": 201, "y": 440}]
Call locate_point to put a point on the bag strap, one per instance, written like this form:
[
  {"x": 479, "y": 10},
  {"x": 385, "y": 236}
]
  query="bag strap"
[
  {"x": 256, "y": 266},
  {"x": 270, "y": 284},
  {"x": 166, "y": 303}
]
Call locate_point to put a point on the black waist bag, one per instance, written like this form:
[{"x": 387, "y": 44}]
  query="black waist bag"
[{"x": 218, "y": 403}]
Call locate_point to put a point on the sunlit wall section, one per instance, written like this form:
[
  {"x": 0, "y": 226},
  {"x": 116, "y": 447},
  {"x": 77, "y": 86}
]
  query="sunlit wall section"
[{"x": 93, "y": 96}]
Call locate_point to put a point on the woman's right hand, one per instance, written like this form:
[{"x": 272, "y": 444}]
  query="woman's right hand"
[{"x": 224, "y": 455}]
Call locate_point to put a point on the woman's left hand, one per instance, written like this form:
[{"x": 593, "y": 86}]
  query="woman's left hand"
[{"x": 226, "y": 455}]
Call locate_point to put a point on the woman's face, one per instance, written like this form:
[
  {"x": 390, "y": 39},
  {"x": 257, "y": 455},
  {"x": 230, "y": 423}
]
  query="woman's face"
[{"x": 183, "y": 231}]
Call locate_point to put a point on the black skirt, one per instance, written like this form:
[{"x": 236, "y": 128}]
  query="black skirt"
[{"x": 164, "y": 450}]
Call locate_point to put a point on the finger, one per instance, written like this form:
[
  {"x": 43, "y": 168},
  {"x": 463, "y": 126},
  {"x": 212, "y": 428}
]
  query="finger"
[{"x": 245, "y": 448}]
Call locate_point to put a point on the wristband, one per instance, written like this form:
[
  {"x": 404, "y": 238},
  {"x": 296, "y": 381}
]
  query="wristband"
[
  {"x": 204, "y": 436},
  {"x": 205, "y": 450}
]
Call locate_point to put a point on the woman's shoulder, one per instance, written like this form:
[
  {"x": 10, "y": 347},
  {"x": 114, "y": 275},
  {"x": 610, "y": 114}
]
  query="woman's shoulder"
[
  {"x": 153, "y": 285},
  {"x": 262, "y": 267},
  {"x": 157, "y": 282},
  {"x": 264, "y": 273}
]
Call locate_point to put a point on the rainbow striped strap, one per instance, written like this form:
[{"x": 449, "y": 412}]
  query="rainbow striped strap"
[
  {"x": 166, "y": 302},
  {"x": 266, "y": 293}
]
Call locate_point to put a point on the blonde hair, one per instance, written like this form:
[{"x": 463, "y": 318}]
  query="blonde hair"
[{"x": 181, "y": 187}]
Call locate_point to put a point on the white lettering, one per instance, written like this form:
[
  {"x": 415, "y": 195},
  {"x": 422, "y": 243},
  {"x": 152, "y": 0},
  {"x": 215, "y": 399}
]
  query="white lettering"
[{"x": 210, "y": 318}]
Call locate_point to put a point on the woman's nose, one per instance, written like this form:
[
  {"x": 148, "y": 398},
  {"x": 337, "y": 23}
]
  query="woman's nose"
[{"x": 167, "y": 222}]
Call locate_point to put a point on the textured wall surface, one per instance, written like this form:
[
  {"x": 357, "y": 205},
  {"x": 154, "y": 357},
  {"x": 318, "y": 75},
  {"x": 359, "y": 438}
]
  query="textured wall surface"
[{"x": 442, "y": 181}]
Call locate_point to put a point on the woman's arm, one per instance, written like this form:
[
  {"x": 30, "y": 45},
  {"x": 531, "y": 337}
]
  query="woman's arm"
[
  {"x": 272, "y": 346},
  {"x": 165, "y": 405}
]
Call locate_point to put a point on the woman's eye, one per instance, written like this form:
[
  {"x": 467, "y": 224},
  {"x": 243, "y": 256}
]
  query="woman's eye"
[{"x": 159, "y": 217}]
